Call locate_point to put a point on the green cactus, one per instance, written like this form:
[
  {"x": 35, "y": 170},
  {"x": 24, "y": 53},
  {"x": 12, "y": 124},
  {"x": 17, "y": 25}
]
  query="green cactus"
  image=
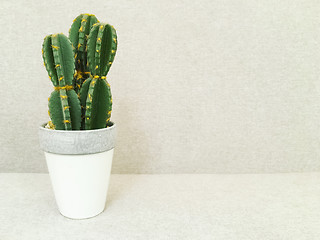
[
  {"x": 78, "y": 69},
  {"x": 95, "y": 94},
  {"x": 64, "y": 105},
  {"x": 78, "y": 35}
]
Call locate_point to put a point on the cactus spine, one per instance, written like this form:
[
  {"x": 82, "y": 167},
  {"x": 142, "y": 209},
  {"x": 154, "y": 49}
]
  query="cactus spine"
[
  {"x": 95, "y": 94},
  {"x": 64, "y": 105},
  {"x": 78, "y": 35}
]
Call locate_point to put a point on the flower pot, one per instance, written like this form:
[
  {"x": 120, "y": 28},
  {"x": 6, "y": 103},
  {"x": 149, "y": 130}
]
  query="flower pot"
[{"x": 79, "y": 164}]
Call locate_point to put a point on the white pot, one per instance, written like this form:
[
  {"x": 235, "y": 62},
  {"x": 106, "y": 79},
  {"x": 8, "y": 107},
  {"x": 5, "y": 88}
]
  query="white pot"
[{"x": 79, "y": 164}]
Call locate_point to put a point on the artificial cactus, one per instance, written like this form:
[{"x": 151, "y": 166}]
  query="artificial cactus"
[
  {"x": 78, "y": 35},
  {"x": 64, "y": 105},
  {"x": 87, "y": 55},
  {"x": 95, "y": 94}
]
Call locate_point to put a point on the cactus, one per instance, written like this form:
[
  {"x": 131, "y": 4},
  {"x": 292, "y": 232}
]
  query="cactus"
[
  {"x": 64, "y": 105},
  {"x": 77, "y": 68},
  {"x": 95, "y": 94},
  {"x": 78, "y": 35}
]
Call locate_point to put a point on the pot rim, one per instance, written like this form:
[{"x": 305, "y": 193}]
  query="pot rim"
[
  {"x": 77, "y": 142},
  {"x": 42, "y": 127}
]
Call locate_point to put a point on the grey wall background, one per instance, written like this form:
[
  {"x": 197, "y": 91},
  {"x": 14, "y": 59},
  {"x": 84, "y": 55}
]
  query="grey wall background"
[{"x": 198, "y": 86}]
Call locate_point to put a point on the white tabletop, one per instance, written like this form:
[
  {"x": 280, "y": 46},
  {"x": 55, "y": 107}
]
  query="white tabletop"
[{"x": 259, "y": 206}]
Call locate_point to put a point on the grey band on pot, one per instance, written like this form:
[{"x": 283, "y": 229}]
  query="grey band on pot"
[{"x": 77, "y": 142}]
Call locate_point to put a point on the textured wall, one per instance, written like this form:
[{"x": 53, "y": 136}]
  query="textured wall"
[{"x": 198, "y": 86}]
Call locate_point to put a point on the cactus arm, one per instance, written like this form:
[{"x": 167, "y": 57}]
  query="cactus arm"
[
  {"x": 63, "y": 57},
  {"x": 90, "y": 20},
  {"x": 74, "y": 38},
  {"x": 108, "y": 49},
  {"x": 92, "y": 40},
  {"x": 75, "y": 109},
  {"x": 103, "y": 105},
  {"x": 98, "y": 104},
  {"x": 63, "y": 64},
  {"x": 83, "y": 98},
  {"x": 102, "y": 47},
  {"x": 109, "y": 103},
  {"x": 74, "y": 32},
  {"x": 82, "y": 43},
  {"x": 55, "y": 110},
  {"x": 48, "y": 60},
  {"x": 89, "y": 102},
  {"x": 64, "y": 107},
  {"x": 78, "y": 35}
]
